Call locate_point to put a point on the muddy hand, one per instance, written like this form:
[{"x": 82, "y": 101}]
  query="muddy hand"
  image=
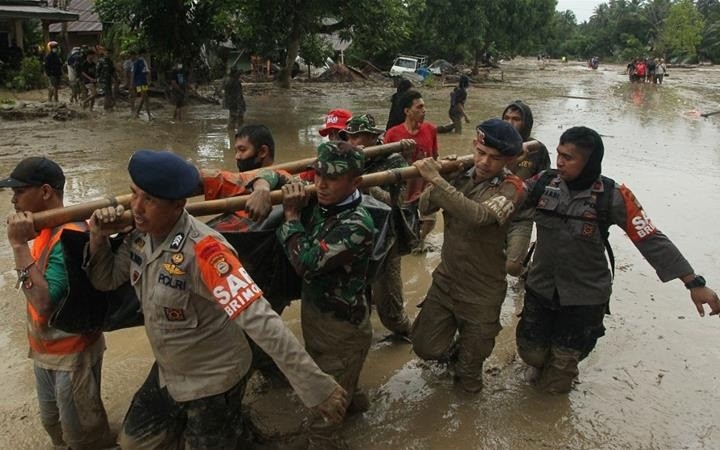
[
  {"x": 513, "y": 188},
  {"x": 429, "y": 168},
  {"x": 20, "y": 228},
  {"x": 333, "y": 408},
  {"x": 704, "y": 295},
  {"x": 258, "y": 205},
  {"x": 108, "y": 221},
  {"x": 294, "y": 200}
]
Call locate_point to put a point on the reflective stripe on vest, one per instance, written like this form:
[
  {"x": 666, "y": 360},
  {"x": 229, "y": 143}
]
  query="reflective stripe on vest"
[{"x": 42, "y": 337}]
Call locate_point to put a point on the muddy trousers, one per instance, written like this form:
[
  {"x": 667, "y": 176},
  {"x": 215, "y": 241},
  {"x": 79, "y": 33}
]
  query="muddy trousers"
[
  {"x": 555, "y": 338},
  {"x": 156, "y": 421},
  {"x": 433, "y": 333},
  {"x": 339, "y": 348},
  {"x": 387, "y": 295},
  {"x": 71, "y": 408}
]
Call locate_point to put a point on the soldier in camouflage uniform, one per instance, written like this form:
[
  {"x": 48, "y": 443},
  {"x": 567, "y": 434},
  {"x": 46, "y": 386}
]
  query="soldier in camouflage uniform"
[
  {"x": 469, "y": 283},
  {"x": 106, "y": 75},
  {"x": 329, "y": 243},
  {"x": 387, "y": 289}
]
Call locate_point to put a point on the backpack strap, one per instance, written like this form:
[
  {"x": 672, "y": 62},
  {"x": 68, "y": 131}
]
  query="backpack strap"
[
  {"x": 539, "y": 188},
  {"x": 604, "y": 202}
]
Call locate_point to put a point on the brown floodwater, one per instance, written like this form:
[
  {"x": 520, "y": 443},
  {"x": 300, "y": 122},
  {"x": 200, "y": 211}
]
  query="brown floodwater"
[{"x": 652, "y": 382}]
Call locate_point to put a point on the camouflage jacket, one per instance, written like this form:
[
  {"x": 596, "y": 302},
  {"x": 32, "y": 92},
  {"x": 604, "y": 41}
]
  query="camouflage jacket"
[
  {"x": 105, "y": 70},
  {"x": 330, "y": 249}
]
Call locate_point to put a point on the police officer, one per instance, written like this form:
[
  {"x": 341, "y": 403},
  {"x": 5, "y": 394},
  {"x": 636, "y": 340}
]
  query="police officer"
[
  {"x": 569, "y": 283},
  {"x": 198, "y": 302},
  {"x": 469, "y": 285},
  {"x": 329, "y": 244}
]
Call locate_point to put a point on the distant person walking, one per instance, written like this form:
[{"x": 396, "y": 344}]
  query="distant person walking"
[
  {"x": 141, "y": 82},
  {"x": 53, "y": 69},
  {"x": 234, "y": 101}
]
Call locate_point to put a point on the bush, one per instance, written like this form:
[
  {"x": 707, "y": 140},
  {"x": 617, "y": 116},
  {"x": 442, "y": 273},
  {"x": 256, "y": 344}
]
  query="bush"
[{"x": 30, "y": 76}]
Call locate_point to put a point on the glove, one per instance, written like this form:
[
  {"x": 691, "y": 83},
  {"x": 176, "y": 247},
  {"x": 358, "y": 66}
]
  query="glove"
[{"x": 513, "y": 188}]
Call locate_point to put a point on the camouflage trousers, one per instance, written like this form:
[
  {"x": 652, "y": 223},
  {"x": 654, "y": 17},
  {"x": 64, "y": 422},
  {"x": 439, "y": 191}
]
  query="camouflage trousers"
[
  {"x": 441, "y": 316},
  {"x": 387, "y": 294},
  {"x": 337, "y": 346},
  {"x": 155, "y": 420}
]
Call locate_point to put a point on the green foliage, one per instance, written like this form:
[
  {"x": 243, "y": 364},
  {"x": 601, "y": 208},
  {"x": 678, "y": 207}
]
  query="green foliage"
[
  {"x": 682, "y": 34},
  {"x": 30, "y": 76}
]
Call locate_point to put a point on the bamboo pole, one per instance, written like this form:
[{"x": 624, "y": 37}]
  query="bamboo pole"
[
  {"x": 54, "y": 217},
  {"x": 370, "y": 152}
]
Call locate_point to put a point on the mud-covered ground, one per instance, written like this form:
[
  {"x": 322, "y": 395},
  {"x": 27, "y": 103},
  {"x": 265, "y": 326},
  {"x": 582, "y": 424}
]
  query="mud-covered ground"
[{"x": 652, "y": 381}]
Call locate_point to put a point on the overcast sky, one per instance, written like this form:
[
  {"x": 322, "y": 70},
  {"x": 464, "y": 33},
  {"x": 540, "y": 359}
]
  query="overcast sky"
[{"x": 583, "y": 9}]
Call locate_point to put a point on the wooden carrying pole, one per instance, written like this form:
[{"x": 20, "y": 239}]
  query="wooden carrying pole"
[
  {"x": 370, "y": 152},
  {"x": 58, "y": 216}
]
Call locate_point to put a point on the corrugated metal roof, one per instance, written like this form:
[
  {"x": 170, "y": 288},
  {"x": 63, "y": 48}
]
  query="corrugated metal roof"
[
  {"x": 89, "y": 20},
  {"x": 36, "y": 12}
]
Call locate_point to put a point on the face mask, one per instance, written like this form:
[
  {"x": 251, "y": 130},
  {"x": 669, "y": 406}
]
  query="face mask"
[
  {"x": 245, "y": 165},
  {"x": 54, "y": 50}
]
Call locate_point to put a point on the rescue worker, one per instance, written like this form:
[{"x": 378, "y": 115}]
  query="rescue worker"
[
  {"x": 387, "y": 289},
  {"x": 67, "y": 366},
  {"x": 335, "y": 121},
  {"x": 254, "y": 149},
  {"x": 329, "y": 243},
  {"x": 198, "y": 303},
  {"x": 535, "y": 159},
  {"x": 569, "y": 283},
  {"x": 458, "y": 97},
  {"x": 469, "y": 284},
  {"x": 396, "y": 116}
]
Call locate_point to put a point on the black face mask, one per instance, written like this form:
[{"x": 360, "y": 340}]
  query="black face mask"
[{"x": 246, "y": 165}]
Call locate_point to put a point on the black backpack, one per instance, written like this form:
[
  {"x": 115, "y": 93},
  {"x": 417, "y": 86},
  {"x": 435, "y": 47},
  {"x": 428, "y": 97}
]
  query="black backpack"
[{"x": 602, "y": 207}]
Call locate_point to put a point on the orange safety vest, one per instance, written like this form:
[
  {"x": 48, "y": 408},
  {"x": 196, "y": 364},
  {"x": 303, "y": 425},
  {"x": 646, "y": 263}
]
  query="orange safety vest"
[{"x": 42, "y": 337}]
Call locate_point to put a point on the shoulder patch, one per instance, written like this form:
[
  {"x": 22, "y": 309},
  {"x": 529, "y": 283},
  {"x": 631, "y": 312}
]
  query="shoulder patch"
[
  {"x": 638, "y": 225},
  {"x": 225, "y": 277}
]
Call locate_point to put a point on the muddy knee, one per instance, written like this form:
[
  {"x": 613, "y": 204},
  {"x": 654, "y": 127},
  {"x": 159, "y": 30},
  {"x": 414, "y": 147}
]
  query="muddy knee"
[{"x": 560, "y": 371}]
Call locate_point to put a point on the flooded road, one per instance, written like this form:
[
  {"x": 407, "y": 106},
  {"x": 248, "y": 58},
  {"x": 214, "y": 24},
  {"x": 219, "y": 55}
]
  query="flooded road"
[{"x": 652, "y": 382}]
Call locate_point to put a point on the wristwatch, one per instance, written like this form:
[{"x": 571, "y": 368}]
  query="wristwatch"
[{"x": 698, "y": 281}]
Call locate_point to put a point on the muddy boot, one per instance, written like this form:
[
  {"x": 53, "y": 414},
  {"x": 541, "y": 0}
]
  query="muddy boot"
[
  {"x": 558, "y": 375},
  {"x": 358, "y": 405},
  {"x": 55, "y": 433},
  {"x": 469, "y": 384}
]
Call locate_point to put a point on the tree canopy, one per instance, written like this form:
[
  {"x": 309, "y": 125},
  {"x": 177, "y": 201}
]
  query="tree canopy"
[{"x": 456, "y": 30}]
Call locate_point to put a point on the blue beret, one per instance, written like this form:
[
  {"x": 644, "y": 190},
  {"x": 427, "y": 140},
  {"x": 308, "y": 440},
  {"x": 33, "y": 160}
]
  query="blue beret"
[
  {"x": 501, "y": 136},
  {"x": 163, "y": 174}
]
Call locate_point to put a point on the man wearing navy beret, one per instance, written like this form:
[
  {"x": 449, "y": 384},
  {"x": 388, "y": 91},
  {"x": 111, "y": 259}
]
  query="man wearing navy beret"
[
  {"x": 198, "y": 303},
  {"x": 469, "y": 284}
]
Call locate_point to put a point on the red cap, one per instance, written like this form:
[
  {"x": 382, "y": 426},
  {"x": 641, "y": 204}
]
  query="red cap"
[{"x": 336, "y": 118}]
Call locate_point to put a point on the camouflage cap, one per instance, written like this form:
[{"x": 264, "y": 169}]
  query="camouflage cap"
[
  {"x": 361, "y": 124},
  {"x": 338, "y": 158}
]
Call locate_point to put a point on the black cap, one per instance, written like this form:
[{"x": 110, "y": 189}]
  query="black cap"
[
  {"x": 35, "y": 171},
  {"x": 501, "y": 136},
  {"x": 163, "y": 174}
]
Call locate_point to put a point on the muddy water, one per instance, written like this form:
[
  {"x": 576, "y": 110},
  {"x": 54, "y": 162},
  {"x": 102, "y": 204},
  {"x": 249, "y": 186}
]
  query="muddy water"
[{"x": 652, "y": 381}]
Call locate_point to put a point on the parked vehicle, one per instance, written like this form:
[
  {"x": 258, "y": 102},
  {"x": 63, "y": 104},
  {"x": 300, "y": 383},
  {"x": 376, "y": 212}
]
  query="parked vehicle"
[{"x": 405, "y": 64}]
